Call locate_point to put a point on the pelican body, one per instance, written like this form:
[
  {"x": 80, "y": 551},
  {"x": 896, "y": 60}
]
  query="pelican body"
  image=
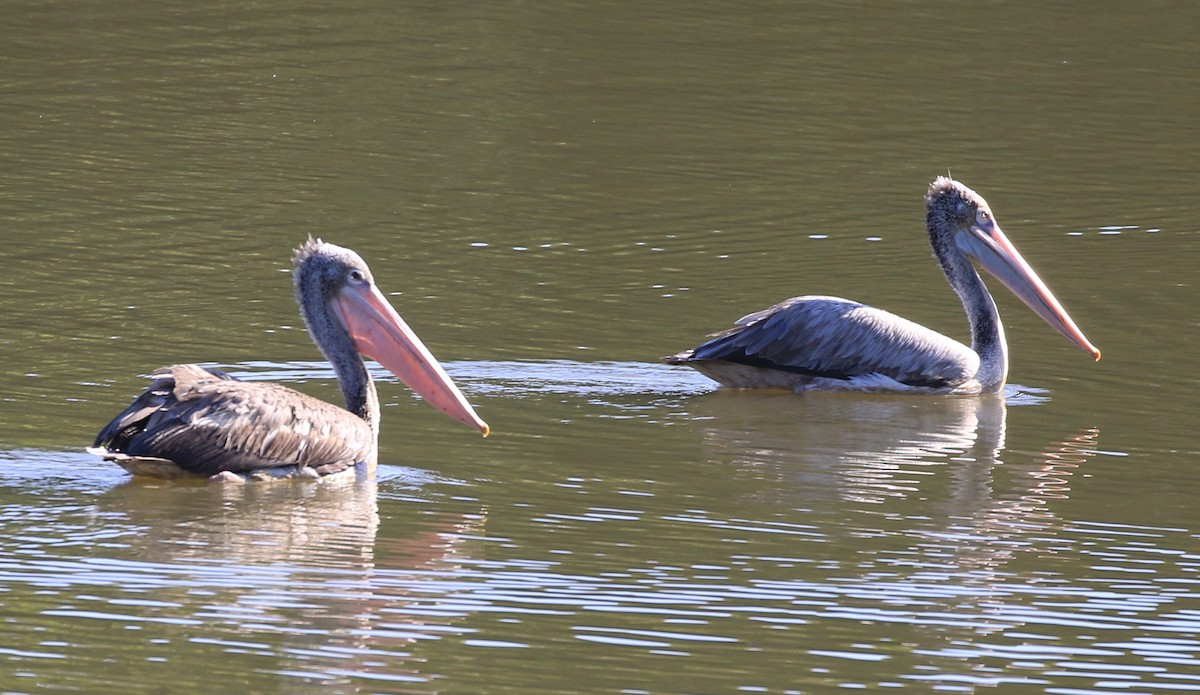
[
  {"x": 816, "y": 343},
  {"x": 197, "y": 421}
]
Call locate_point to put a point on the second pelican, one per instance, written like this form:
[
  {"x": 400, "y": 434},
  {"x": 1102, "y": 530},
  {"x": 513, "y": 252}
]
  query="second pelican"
[{"x": 815, "y": 343}]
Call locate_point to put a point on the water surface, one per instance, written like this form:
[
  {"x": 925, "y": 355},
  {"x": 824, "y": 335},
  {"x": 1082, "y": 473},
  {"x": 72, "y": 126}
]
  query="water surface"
[{"x": 554, "y": 197}]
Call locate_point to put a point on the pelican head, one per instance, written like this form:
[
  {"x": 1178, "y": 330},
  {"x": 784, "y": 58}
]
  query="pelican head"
[
  {"x": 960, "y": 222},
  {"x": 345, "y": 311}
]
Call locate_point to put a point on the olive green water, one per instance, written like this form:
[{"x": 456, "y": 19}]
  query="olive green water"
[{"x": 554, "y": 196}]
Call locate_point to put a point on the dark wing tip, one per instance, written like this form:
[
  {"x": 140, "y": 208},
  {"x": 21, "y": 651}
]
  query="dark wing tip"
[{"x": 678, "y": 358}]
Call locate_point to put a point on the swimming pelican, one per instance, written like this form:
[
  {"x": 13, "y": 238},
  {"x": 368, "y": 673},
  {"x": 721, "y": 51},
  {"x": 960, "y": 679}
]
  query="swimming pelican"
[
  {"x": 193, "y": 420},
  {"x": 816, "y": 343}
]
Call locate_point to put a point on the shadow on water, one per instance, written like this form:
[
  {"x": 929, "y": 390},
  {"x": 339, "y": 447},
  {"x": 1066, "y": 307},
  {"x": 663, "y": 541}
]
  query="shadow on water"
[
  {"x": 293, "y": 572},
  {"x": 853, "y": 437},
  {"x": 888, "y": 458},
  {"x": 895, "y": 531},
  {"x": 940, "y": 528}
]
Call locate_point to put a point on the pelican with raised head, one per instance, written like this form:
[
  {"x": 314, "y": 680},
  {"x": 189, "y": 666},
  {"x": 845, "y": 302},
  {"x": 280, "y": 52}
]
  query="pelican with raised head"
[
  {"x": 198, "y": 421},
  {"x": 815, "y": 343}
]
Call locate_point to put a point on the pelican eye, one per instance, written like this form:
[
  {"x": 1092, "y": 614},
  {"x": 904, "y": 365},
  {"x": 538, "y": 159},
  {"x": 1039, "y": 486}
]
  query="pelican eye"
[
  {"x": 983, "y": 217},
  {"x": 356, "y": 276}
]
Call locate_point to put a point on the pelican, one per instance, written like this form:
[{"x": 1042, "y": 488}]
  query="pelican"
[
  {"x": 197, "y": 421},
  {"x": 816, "y": 343}
]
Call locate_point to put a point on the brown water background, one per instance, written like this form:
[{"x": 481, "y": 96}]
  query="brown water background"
[{"x": 555, "y": 195}]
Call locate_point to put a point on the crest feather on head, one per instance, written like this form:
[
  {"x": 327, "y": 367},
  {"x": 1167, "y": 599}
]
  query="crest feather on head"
[
  {"x": 943, "y": 185},
  {"x": 306, "y": 250}
]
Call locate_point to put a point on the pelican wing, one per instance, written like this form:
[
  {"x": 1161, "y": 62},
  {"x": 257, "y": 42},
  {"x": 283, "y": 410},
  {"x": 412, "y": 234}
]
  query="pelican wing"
[
  {"x": 833, "y": 338},
  {"x": 207, "y": 422}
]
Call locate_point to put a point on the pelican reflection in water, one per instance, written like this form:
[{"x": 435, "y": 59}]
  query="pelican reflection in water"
[
  {"x": 816, "y": 343},
  {"x": 193, "y": 420}
]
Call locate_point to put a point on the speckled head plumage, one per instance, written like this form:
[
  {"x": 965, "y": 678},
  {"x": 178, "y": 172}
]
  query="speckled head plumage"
[
  {"x": 320, "y": 271},
  {"x": 950, "y": 204},
  {"x": 349, "y": 318},
  {"x": 328, "y": 259},
  {"x": 322, "y": 268}
]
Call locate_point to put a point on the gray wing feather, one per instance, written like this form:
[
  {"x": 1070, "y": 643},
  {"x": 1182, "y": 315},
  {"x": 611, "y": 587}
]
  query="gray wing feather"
[
  {"x": 207, "y": 422},
  {"x": 839, "y": 339}
]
